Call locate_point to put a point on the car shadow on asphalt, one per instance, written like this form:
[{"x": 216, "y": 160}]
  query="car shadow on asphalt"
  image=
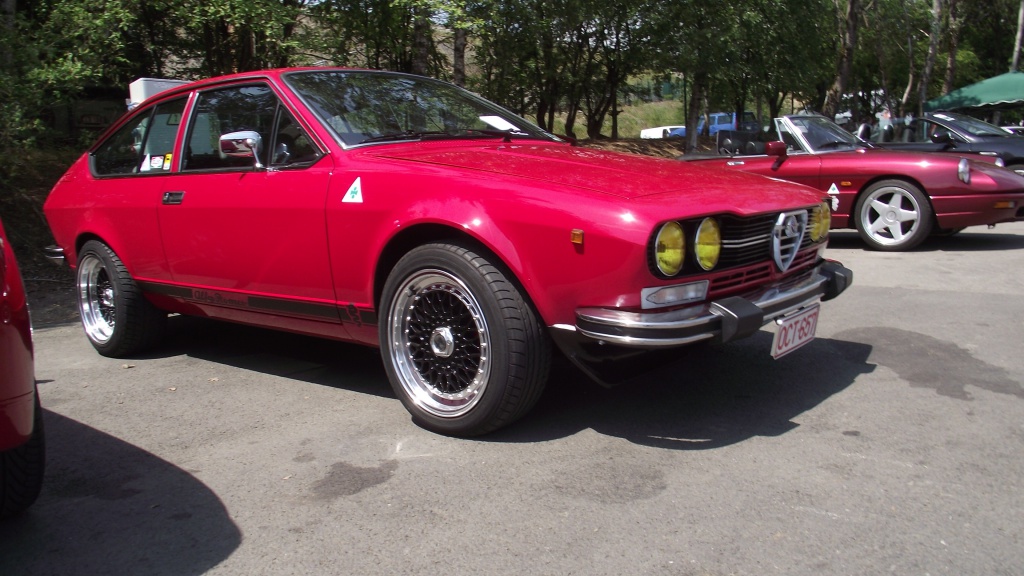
[
  {"x": 309, "y": 359},
  {"x": 969, "y": 240},
  {"x": 712, "y": 396},
  {"x": 706, "y": 397},
  {"x": 108, "y": 507}
]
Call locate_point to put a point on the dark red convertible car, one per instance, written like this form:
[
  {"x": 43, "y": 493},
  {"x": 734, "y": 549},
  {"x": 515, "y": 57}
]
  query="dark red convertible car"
[
  {"x": 895, "y": 200},
  {"x": 406, "y": 213},
  {"x": 22, "y": 444}
]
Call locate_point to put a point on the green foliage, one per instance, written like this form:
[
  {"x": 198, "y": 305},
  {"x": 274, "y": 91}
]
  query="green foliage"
[{"x": 570, "y": 59}]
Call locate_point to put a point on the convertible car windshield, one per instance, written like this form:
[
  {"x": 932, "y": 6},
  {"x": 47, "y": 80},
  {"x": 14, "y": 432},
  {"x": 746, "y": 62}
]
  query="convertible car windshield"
[
  {"x": 817, "y": 133},
  {"x": 365, "y": 107},
  {"x": 972, "y": 126}
]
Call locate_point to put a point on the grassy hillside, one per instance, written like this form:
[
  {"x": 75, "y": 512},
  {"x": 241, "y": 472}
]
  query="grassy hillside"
[{"x": 632, "y": 119}]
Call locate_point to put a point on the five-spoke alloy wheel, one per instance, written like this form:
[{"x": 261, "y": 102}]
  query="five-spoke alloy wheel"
[{"x": 893, "y": 215}]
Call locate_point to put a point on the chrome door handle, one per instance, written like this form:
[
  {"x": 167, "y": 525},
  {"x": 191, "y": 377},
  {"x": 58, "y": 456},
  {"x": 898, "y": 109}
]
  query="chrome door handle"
[{"x": 173, "y": 197}]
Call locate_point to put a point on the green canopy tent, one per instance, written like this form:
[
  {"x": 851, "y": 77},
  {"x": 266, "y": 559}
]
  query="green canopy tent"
[{"x": 1003, "y": 91}]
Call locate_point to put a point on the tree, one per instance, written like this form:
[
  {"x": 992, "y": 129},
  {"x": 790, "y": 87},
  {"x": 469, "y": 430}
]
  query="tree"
[{"x": 849, "y": 25}]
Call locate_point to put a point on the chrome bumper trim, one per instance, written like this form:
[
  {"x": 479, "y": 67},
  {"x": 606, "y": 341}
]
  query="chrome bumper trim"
[
  {"x": 55, "y": 254},
  {"x": 722, "y": 320}
]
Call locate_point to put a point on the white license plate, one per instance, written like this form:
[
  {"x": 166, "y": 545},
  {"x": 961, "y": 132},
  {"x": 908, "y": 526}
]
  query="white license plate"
[{"x": 794, "y": 331}]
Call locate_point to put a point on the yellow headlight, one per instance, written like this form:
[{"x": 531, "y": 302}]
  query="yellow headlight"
[
  {"x": 821, "y": 221},
  {"x": 669, "y": 248},
  {"x": 709, "y": 244}
]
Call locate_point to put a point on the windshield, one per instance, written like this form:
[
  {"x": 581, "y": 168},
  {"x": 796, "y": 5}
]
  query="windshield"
[
  {"x": 364, "y": 107},
  {"x": 972, "y": 126},
  {"x": 819, "y": 134}
]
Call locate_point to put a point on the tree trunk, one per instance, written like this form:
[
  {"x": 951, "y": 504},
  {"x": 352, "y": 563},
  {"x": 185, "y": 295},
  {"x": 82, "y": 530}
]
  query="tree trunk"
[
  {"x": 954, "y": 42},
  {"x": 9, "y": 8},
  {"x": 421, "y": 42},
  {"x": 929, "y": 60},
  {"x": 849, "y": 42},
  {"x": 697, "y": 95},
  {"x": 1020, "y": 36},
  {"x": 459, "y": 57}
]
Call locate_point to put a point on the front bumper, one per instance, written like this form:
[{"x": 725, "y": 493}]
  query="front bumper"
[
  {"x": 612, "y": 346},
  {"x": 720, "y": 321}
]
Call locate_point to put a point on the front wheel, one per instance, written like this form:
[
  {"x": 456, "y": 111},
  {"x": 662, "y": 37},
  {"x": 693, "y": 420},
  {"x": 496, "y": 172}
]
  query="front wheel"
[
  {"x": 893, "y": 215},
  {"x": 117, "y": 318},
  {"x": 464, "y": 351},
  {"x": 21, "y": 470}
]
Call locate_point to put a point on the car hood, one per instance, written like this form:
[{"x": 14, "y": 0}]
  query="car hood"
[{"x": 627, "y": 176}]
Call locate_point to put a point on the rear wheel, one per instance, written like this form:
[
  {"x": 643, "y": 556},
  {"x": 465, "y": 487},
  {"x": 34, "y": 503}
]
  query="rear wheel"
[
  {"x": 893, "y": 215},
  {"x": 464, "y": 351},
  {"x": 117, "y": 318}
]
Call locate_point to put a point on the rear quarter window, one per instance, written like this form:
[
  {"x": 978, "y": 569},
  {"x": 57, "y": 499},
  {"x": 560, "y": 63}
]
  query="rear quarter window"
[{"x": 144, "y": 145}]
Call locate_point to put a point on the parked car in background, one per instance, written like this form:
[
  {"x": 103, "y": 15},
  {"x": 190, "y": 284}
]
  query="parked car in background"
[
  {"x": 658, "y": 132},
  {"x": 405, "y": 213},
  {"x": 718, "y": 121},
  {"x": 1015, "y": 130},
  {"x": 960, "y": 134},
  {"x": 22, "y": 442},
  {"x": 894, "y": 199}
]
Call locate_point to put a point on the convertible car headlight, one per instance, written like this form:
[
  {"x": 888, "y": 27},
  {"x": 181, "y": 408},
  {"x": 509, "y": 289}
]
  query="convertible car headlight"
[
  {"x": 670, "y": 248},
  {"x": 963, "y": 171},
  {"x": 709, "y": 244},
  {"x": 821, "y": 221}
]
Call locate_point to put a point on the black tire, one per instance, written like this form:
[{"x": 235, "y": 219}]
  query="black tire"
[
  {"x": 21, "y": 470},
  {"x": 464, "y": 351},
  {"x": 946, "y": 232},
  {"x": 893, "y": 215},
  {"x": 117, "y": 318}
]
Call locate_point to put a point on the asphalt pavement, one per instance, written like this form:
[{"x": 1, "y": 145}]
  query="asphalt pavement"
[{"x": 892, "y": 443}]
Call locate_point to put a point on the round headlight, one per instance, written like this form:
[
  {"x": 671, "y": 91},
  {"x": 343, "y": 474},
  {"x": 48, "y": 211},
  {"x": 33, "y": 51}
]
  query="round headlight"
[
  {"x": 669, "y": 248},
  {"x": 821, "y": 221},
  {"x": 709, "y": 244}
]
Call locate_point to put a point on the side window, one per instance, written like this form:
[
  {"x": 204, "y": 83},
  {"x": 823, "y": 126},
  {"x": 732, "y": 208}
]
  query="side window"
[
  {"x": 145, "y": 144},
  {"x": 724, "y": 119},
  {"x": 223, "y": 111},
  {"x": 923, "y": 130},
  {"x": 292, "y": 146}
]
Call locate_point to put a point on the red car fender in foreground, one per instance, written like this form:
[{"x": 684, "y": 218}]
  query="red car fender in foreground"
[{"x": 21, "y": 427}]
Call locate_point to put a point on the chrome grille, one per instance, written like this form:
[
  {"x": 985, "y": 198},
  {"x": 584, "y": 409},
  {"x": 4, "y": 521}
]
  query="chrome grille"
[{"x": 787, "y": 237}]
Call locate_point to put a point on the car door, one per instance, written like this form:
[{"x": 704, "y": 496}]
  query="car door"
[
  {"x": 134, "y": 164},
  {"x": 247, "y": 237},
  {"x": 798, "y": 167}
]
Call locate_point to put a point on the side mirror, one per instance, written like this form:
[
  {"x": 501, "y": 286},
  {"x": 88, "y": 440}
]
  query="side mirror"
[
  {"x": 943, "y": 137},
  {"x": 242, "y": 144},
  {"x": 775, "y": 148}
]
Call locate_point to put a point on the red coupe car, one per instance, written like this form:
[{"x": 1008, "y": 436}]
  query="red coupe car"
[
  {"x": 22, "y": 445},
  {"x": 893, "y": 199},
  {"x": 406, "y": 213}
]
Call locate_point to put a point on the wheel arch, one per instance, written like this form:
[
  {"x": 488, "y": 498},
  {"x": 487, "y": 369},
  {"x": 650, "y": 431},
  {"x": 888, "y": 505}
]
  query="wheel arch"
[
  {"x": 426, "y": 233},
  {"x": 86, "y": 237}
]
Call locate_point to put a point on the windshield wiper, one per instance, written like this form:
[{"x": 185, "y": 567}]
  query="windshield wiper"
[
  {"x": 406, "y": 135},
  {"x": 505, "y": 135}
]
